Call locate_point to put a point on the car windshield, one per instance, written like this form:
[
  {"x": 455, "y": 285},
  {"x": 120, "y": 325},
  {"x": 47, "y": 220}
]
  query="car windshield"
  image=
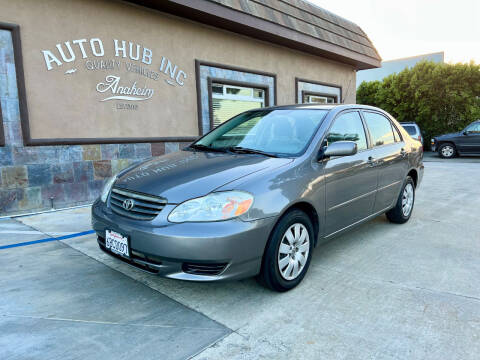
[
  {"x": 473, "y": 128},
  {"x": 285, "y": 132},
  {"x": 410, "y": 129}
]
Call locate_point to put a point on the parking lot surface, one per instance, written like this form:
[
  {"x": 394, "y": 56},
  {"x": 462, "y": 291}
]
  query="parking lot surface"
[{"x": 383, "y": 291}]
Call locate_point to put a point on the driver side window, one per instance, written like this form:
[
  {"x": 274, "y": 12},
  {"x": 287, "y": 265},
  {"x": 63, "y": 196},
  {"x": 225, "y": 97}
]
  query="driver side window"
[{"x": 348, "y": 127}]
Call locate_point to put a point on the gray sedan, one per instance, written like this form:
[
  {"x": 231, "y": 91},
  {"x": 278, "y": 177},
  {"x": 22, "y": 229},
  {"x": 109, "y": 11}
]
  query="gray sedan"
[{"x": 254, "y": 196}]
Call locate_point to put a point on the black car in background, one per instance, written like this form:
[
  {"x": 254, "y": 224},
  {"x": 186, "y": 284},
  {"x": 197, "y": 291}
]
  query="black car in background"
[{"x": 465, "y": 142}]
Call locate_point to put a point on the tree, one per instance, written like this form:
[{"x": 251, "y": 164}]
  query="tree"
[{"x": 439, "y": 97}]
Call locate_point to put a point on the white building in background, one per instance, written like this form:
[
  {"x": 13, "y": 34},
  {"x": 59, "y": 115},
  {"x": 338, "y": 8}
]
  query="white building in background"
[{"x": 395, "y": 66}]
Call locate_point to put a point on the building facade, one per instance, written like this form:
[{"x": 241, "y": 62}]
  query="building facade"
[{"x": 90, "y": 87}]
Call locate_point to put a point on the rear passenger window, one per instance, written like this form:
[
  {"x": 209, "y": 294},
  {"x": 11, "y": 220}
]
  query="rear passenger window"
[
  {"x": 349, "y": 127},
  {"x": 380, "y": 128}
]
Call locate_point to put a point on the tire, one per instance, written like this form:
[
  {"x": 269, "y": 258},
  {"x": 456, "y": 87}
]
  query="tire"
[
  {"x": 287, "y": 247},
  {"x": 404, "y": 207},
  {"x": 447, "y": 151}
]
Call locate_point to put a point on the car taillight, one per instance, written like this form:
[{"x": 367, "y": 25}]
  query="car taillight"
[{"x": 419, "y": 138}]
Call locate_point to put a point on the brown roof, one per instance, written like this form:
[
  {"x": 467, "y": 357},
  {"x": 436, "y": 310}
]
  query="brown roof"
[{"x": 296, "y": 24}]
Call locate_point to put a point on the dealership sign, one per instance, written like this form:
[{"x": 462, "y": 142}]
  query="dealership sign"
[
  {"x": 126, "y": 57},
  {"x": 112, "y": 85}
]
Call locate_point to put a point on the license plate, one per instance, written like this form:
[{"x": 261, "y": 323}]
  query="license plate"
[{"x": 117, "y": 243}]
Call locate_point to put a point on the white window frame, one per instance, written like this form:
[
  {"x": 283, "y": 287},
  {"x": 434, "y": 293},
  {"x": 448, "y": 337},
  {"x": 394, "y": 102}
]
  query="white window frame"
[{"x": 226, "y": 96}]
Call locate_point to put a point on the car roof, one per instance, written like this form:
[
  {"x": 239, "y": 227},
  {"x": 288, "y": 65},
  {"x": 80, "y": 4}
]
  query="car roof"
[
  {"x": 408, "y": 122},
  {"x": 322, "y": 107}
]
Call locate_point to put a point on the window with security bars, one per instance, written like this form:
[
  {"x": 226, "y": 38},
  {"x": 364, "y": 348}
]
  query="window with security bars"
[
  {"x": 231, "y": 100},
  {"x": 318, "y": 99}
]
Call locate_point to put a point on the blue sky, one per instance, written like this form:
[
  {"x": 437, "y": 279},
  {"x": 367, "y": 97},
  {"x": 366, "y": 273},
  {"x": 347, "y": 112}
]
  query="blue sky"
[{"x": 413, "y": 27}]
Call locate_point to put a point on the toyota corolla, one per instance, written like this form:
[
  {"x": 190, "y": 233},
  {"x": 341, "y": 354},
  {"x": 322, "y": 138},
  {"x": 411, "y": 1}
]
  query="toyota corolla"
[{"x": 257, "y": 194}]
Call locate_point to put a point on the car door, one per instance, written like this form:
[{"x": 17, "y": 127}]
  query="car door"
[
  {"x": 470, "y": 142},
  {"x": 350, "y": 181},
  {"x": 389, "y": 157}
]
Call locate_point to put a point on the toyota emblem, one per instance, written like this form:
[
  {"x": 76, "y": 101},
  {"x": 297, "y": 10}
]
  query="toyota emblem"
[{"x": 128, "y": 204}]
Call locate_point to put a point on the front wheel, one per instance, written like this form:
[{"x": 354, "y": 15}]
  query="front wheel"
[
  {"x": 447, "y": 151},
  {"x": 288, "y": 252},
  {"x": 404, "y": 206}
]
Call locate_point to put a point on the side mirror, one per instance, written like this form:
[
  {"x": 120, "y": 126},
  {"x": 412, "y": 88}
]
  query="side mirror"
[
  {"x": 340, "y": 148},
  {"x": 465, "y": 132}
]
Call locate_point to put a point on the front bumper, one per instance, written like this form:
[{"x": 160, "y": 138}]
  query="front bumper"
[{"x": 213, "y": 251}]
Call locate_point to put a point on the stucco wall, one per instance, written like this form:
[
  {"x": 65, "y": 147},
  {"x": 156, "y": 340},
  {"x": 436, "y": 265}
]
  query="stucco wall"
[{"x": 66, "y": 104}]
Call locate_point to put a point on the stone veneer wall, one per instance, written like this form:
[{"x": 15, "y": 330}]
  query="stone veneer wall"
[{"x": 34, "y": 178}]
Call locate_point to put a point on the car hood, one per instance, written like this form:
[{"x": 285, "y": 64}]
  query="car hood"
[
  {"x": 447, "y": 136},
  {"x": 185, "y": 175}
]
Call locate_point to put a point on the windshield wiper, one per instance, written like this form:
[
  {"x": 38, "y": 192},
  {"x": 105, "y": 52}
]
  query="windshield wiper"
[
  {"x": 205, "y": 148},
  {"x": 242, "y": 150}
]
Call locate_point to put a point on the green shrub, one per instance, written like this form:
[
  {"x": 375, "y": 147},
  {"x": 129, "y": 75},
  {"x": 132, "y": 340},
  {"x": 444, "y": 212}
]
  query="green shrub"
[{"x": 439, "y": 97}]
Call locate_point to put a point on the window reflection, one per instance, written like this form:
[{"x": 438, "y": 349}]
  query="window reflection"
[{"x": 348, "y": 127}]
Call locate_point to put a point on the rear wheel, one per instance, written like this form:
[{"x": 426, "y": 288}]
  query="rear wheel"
[
  {"x": 447, "y": 151},
  {"x": 288, "y": 252},
  {"x": 404, "y": 206}
]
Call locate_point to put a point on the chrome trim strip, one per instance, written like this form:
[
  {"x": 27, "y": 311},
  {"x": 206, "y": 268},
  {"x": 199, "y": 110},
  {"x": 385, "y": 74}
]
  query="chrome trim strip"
[
  {"x": 387, "y": 186},
  {"x": 139, "y": 203},
  {"x": 140, "y": 197},
  {"x": 352, "y": 200},
  {"x": 359, "y": 221}
]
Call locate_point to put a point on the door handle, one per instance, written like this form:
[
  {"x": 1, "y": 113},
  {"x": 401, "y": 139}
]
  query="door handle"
[{"x": 371, "y": 162}]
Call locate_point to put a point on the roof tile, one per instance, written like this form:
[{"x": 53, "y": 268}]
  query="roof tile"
[{"x": 309, "y": 19}]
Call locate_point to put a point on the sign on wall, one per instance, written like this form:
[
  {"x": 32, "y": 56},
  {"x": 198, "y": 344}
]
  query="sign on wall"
[{"x": 126, "y": 57}]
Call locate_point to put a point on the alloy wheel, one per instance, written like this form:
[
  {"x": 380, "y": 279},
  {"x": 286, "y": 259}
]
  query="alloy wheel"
[
  {"x": 448, "y": 151},
  {"x": 407, "y": 200},
  {"x": 293, "y": 251}
]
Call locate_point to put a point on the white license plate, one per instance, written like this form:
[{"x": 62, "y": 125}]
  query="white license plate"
[{"x": 117, "y": 243}]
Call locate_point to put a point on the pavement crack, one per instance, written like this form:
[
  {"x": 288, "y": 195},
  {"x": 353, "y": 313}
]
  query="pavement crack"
[
  {"x": 31, "y": 227},
  {"x": 400, "y": 285},
  {"x": 443, "y": 292},
  {"x": 97, "y": 322},
  {"x": 145, "y": 284}
]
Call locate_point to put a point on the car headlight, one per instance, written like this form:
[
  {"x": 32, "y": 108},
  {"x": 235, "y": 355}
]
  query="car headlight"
[
  {"x": 107, "y": 187},
  {"x": 213, "y": 207}
]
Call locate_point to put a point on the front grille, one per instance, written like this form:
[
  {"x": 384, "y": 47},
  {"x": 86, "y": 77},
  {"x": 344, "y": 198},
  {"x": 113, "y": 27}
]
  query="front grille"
[
  {"x": 146, "y": 207},
  {"x": 203, "y": 269}
]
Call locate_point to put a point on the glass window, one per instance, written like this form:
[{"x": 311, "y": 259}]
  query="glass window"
[
  {"x": 380, "y": 128},
  {"x": 349, "y": 127},
  {"x": 474, "y": 128},
  {"x": 318, "y": 99},
  {"x": 278, "y": 132},
  {"x": 411, "y": 130},
  {"x": 229, "y": 100},
  {"x": 217, "y": 89}
]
